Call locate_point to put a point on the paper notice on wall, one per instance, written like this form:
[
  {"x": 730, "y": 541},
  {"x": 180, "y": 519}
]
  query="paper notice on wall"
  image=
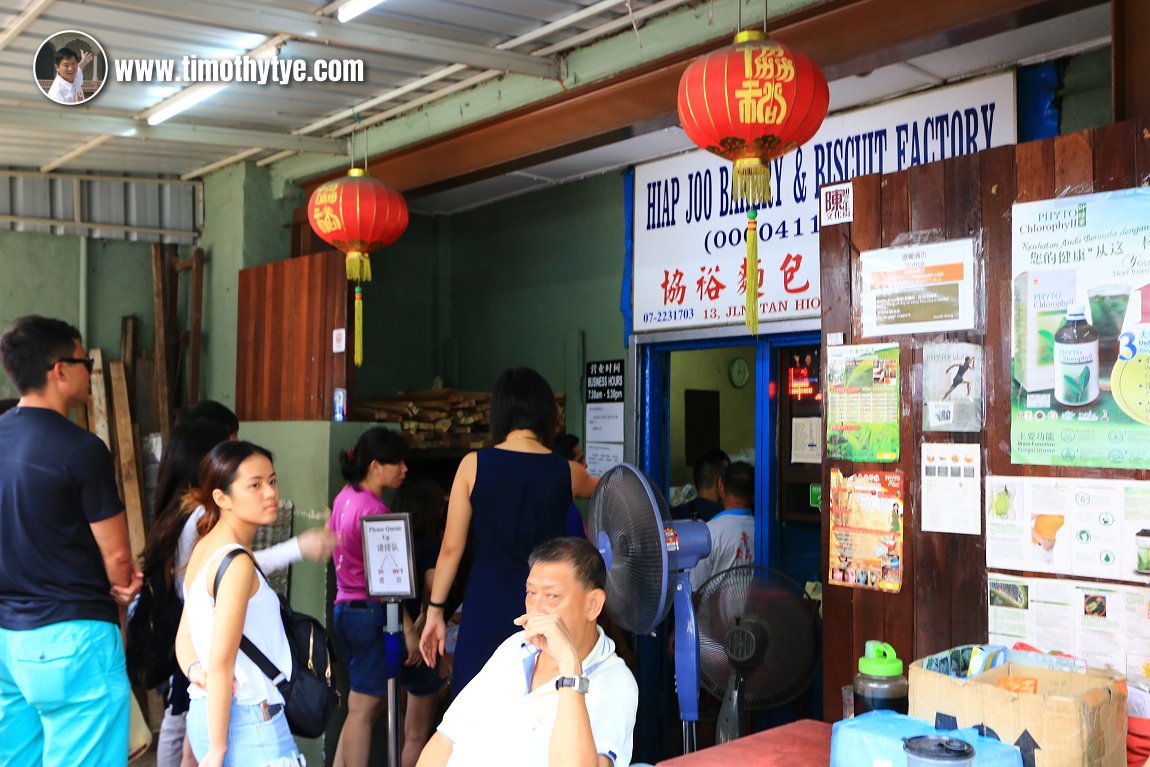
[
  {"x": 602, "y": 456},
  {"x": 1105, "y": 624},
  {"x": 1093, "y": 528},
  {"x": 806, "y": 440},
  {"x": 951, "y": 488}
]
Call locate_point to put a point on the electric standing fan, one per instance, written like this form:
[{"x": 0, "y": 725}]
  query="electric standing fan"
[
  {"x": 757, "y": 643},
  {"x": 648, "y": 562}
]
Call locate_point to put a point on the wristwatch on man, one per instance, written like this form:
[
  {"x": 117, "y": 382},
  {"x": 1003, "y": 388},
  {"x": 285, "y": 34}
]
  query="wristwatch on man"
[{"x": 576, "y": 683}]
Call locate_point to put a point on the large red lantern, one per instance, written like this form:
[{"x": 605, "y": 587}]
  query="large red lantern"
[
  {"x": 749, "y": 103},
  {"x": 357, "y": 215}
]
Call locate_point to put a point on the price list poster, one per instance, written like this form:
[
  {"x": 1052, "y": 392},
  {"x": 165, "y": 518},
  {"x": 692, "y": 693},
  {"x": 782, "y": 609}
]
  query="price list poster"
[{"x": 863, "y": 402}]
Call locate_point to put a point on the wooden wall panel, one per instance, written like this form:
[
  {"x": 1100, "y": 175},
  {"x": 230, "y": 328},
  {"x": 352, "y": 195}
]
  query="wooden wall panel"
[
  {"x": 967, "y": 586},
  {"x": 838, "y": 630},
  {"x": 930, "y": 573},
  {"x": 285, "y": 369},
  {"x": 866, "y": 606},
  {"x": 895, "y": 629},
  {"x": 943, "y": 602},
  {"x": 1142, "y": 152}
]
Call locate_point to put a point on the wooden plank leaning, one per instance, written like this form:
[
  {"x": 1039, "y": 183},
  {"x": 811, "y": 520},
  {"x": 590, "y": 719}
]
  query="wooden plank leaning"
[{"x": 126, "y": 453}]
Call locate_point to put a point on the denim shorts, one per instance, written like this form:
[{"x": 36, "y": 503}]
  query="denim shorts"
[
  {"x": 359, "y": 632},
  {"x": 420, "y": 680},
  {"x": 252, "y": 740}
]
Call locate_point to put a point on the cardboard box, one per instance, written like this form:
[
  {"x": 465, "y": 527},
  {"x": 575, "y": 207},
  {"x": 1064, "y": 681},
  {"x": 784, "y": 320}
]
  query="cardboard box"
[{"x": 1075, "y": 720}]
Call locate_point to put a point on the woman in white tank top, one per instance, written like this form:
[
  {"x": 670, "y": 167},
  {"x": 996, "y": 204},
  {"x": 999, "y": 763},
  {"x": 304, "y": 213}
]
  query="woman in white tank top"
[{"x": 235, "y": 718}]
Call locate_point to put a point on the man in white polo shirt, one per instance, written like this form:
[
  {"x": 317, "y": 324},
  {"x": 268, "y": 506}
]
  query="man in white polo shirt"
[
  {"x": 68, "y": 87},
  {"x": 554, "y": 694}
]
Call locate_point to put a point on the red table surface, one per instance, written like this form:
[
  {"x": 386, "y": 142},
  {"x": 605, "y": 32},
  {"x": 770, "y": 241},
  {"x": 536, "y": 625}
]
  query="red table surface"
[{"x": 802, "y": 743}]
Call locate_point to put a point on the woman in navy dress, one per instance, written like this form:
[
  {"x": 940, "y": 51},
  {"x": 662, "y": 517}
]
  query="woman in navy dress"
[{"x": 505, "y": 500}]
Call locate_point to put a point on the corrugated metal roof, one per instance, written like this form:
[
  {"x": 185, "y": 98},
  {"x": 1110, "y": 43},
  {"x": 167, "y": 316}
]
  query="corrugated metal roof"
[{"x": 411, "y": 50}]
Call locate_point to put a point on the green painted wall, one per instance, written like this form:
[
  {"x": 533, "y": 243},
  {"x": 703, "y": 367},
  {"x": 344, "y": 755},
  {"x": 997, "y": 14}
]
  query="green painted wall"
[
  {"x": 42, "y": 275},
  {"x": 529, "y": 281},
  {"x": 535, "y": 281},
  {"x": 1086, "y": 91},
  {"x": 244, "y": 225},
  {"x": 401, "y": 314}
]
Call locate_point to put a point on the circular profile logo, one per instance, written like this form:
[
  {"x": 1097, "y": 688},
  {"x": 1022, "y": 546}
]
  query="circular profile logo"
[{"x": 70, "y": 67}]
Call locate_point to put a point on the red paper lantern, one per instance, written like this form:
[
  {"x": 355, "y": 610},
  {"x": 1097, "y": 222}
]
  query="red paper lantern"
[
  {"x": 749, "y": 103},
  {"x": 357, "y": 215}
]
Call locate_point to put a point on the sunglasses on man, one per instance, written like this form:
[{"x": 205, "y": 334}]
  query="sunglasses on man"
[{"x": 87, "y": 362}]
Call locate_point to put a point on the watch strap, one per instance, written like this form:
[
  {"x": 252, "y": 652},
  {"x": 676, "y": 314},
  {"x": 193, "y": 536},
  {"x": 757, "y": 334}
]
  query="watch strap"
[{"x": 577, "y": 683}]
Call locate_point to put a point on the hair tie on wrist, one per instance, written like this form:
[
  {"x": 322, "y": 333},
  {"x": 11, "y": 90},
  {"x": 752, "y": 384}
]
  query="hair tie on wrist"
[{"x": 440, "y": 605}]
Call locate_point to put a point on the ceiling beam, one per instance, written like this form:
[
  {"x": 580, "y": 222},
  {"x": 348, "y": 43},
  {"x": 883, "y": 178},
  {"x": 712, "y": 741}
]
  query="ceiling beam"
[
  {"x": 845, "y": 37},
  {"x": 320, "y": 29},
  {"x": 23, "y": 21},
  {"x": 57, "y": 121}
]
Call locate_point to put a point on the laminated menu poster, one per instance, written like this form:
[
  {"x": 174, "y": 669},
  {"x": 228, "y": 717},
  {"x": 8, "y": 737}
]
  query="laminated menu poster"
[
  {"x": 1081, "y": 331},
  {"x": 1097, "y": 528},
  {"x": 1105, "y": 624},
  {"x": 863, "y": 402},
  {"x": 866, "y": 530},
  {"x": 952, "y": 387},
  {"x": 924, "y": 288}
]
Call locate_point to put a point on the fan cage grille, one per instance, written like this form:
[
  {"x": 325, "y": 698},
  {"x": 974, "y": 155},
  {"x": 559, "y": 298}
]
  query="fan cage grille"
[{"x": 633, "y": 518}]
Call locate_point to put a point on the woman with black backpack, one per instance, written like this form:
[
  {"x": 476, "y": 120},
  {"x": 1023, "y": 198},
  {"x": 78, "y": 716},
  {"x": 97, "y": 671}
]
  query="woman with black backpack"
[
  {"x": 154, "y": 619},
  {"x": 236, "y": 715}
]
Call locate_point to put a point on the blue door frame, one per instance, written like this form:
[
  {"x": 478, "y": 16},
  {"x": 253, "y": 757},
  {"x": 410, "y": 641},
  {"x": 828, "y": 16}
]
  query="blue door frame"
[{"x": 656, "y": 674}]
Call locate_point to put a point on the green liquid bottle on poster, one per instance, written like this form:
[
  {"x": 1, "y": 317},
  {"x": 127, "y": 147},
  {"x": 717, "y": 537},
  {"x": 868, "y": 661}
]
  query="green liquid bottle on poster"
[{"x": 1076, "y": 360}]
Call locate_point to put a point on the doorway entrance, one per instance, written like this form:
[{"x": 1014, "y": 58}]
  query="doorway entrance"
[{"x": 758, "y": 400}]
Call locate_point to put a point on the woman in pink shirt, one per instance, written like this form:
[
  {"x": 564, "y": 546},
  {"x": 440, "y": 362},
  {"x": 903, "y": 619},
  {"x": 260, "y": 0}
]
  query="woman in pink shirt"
[{"x": 373, "y": 465}]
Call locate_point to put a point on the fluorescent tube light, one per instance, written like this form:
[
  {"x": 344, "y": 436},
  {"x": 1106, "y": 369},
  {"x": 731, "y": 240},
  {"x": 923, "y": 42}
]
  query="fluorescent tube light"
[
  {"x": 185, "y": 100},
  {"x": 350, "y": 10}
]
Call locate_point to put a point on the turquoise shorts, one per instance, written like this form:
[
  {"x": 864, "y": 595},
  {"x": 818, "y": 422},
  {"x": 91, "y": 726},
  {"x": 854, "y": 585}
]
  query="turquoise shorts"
[{"x": 64, "y": 696}]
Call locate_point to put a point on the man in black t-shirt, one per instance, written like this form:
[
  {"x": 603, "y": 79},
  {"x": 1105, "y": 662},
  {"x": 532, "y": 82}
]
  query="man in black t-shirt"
[
  {"x": 65, "y": 562},
  {"x": 708, "y": 468}
]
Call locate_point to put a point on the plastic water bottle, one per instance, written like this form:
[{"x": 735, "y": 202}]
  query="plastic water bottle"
[{"x": 879, "y": 683}]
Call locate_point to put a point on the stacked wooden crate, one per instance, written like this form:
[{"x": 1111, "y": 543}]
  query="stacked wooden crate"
[{"x": 435, "y": 418}]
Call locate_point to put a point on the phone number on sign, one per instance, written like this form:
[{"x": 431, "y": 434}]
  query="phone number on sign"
[{"x": 668, "y": 315}]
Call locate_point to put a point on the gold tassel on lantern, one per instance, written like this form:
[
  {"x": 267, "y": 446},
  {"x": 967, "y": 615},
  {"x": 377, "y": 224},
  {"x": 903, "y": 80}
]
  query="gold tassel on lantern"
[
  {"x": 752, "y": 272},
  {"x": 752, "y": 180},
  {"x": 752, "y": 183},
  {"x": 358, "y": 326},
  {"x": 358, "y": 266}
]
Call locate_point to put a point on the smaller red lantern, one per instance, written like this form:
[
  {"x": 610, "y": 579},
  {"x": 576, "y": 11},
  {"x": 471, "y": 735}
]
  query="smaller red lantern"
[{"x": 357, "y": 215}]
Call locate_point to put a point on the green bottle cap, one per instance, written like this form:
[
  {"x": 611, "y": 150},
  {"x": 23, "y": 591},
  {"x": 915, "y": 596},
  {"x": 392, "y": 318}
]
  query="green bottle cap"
[{"x": 880, "y": 660}]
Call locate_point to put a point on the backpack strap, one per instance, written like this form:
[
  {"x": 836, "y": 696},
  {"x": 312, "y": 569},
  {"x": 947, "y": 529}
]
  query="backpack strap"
[{"x": 246, "y": 645}]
